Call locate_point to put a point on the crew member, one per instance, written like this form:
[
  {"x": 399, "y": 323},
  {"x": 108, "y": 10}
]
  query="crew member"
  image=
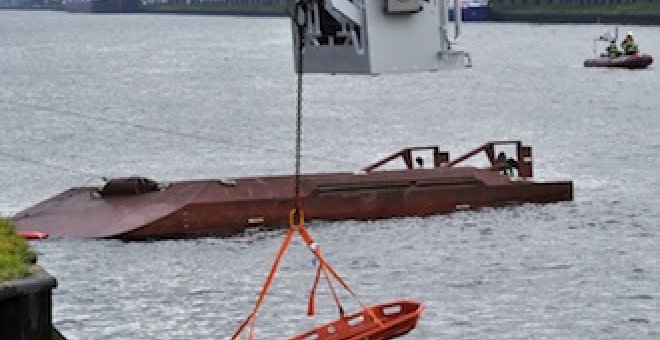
[
  {"x": 613, "y": 50},
  {"x": 508, "y": 164},
  {"x": 420, "y": 161},
  {"x": 628, "y": 44}
]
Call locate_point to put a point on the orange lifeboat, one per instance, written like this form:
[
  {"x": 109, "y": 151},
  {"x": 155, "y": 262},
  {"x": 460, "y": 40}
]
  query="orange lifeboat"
[
  {"x": 396, "y": 318},
  {"x": 33, "y": 235},
  {"x": 382, "y": 321}
]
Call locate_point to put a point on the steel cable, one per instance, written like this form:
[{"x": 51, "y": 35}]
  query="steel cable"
[
  {"x": 184, "y": 134},
  {"x": 299, "y": 16}
]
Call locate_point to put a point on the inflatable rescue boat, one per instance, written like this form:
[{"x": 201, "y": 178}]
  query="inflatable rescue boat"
[{"x": 636, "y": 61}]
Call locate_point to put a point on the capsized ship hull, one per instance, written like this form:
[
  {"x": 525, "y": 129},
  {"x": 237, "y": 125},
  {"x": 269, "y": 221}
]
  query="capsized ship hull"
[{"x": 137, "y": 208}]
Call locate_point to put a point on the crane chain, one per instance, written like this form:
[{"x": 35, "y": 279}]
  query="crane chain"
[{"x": 301, "y": 23}]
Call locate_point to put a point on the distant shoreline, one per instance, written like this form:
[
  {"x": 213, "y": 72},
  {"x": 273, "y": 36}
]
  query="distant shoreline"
[
  {"x": 247, "y": 13},
  {"x": 573, "y": 13},
  {"x": 31, "y": 8},
  {"x": 497, "y": 15},
  {"x": 538, "y": 18}
]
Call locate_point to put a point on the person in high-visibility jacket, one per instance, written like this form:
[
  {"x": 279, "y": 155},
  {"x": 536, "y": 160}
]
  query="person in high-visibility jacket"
[
  {"x": 628, "y": 44},
  {"x": 613, "y": 50}
]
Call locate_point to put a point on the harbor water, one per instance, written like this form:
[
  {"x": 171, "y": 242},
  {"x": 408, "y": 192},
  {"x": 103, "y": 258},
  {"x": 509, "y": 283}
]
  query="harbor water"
[{"x": 181, "y": 97}]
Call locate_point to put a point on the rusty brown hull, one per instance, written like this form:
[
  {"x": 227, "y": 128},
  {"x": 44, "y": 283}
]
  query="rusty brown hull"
[
  {"x": 137, "y": 208},
  {"x": 213, "y": 207}
]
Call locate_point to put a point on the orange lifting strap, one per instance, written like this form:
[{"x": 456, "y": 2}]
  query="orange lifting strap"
[{"x": 376, "y": 318}]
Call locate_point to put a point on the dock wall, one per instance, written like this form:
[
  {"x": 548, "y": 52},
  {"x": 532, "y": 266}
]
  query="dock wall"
[{"x": 26, "y": 308}]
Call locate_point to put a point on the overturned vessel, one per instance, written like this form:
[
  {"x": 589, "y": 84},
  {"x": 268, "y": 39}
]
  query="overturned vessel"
[{"x": 138, "y": 208}]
